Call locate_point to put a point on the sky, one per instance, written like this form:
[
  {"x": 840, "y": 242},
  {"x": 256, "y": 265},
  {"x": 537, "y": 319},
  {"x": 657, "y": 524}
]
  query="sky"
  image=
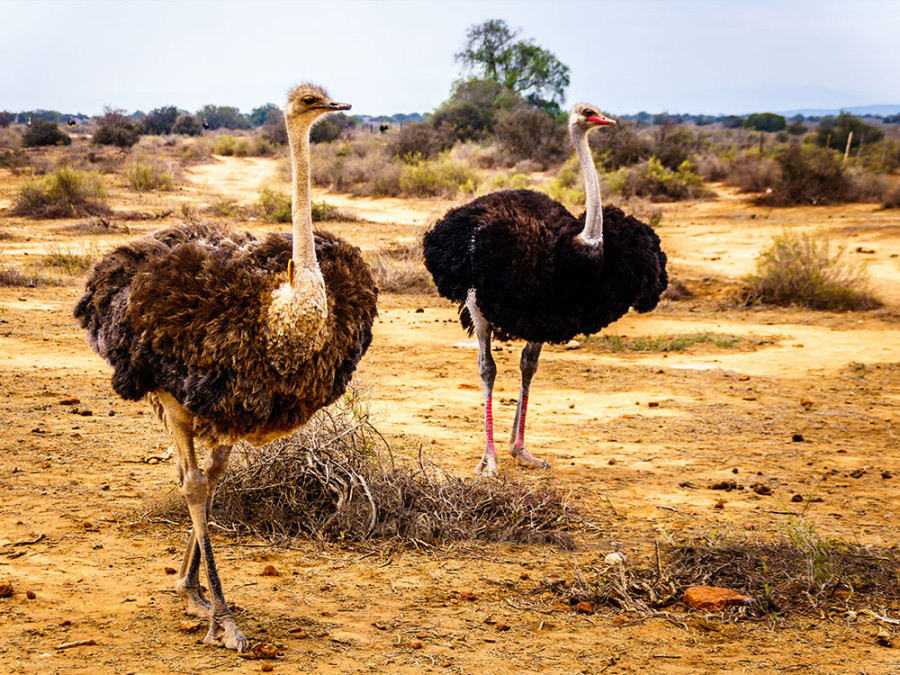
[{"x": 397, "y": 56}]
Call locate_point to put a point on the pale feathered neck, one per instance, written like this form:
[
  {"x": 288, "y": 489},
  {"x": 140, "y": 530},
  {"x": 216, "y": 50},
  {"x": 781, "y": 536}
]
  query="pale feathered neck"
[{"x": 593, "y": 215}]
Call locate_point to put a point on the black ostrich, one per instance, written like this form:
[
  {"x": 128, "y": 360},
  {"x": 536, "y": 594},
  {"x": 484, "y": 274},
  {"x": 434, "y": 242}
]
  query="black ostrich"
[
  {"x": 522, "y": 267},
  {"x": 232, "y": 337}
]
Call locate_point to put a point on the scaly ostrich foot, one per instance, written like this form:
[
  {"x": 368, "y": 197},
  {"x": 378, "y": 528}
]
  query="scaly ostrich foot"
[
  {"x": 197, "y": 603},
  {"x": 526, "y": 459},
  {"x": 224, "y": 633},
  {"x": 488, "y": 465}
]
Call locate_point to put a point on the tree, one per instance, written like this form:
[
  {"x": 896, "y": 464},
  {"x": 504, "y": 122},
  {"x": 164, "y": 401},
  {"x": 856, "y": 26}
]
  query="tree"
[
  {"x": 216, "y": 116},
  {"x": 765, "y": 122},
  {"x": 833, "y": 132},
  {"x": 114, "y": 128},
  {"x": 160, "y": 120},
  {"x": 262, "y": 114},
  {"x": 493, "y": 54}
]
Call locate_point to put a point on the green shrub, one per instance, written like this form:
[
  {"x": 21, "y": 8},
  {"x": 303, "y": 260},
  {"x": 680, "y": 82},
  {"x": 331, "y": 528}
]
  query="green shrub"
[
  {"x": 66, "y": 193},
  {"x": 652, "y": 180},
  {"x": 509, "y": 180},
  {"x": 440, "y": 178},
  {"x": 567, "y": 186},
  {"x": 42, "y": 133},
  {"x": 800, "y": 269},
  {"x": 274, "y": 206},
  {"x": 146, "y": 175},
  {"x": 242, "y": 146}
]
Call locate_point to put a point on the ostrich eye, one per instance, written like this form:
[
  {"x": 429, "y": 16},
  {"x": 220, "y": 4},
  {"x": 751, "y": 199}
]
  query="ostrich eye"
[
  {"x": 590, "y": 113},
  {"x": 308, "y": 100}
]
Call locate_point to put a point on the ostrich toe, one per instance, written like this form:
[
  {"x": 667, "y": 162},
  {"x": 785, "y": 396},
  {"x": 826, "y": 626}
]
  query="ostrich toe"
[
  {"x": 225, "y": 633},
  {"x": 525, "y": 458}
]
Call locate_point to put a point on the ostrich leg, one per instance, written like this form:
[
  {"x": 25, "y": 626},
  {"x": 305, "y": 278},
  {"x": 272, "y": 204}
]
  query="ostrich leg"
[
  {"x": 187, "y": 583},
  {"x": 528, "y": 365},
  {"x": 197, "y": 489},
  {"x": 488, "y": 371}
]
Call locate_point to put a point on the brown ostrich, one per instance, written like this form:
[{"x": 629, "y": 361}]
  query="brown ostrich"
[
  {"x": 522, "y": 267},
  {"x": 232, "y": 337}
]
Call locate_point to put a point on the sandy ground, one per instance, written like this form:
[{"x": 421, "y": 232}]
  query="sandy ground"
[{"x": 635, "y": 439}]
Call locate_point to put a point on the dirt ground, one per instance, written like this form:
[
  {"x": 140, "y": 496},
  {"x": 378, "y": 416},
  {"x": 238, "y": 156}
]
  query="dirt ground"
[{"x": 635, "y": 438}]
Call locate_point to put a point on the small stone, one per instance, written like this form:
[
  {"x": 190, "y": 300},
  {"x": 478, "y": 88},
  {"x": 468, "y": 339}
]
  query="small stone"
[
  {"x": 797, "y": 498},
  {"x": 468, "y": 596},
  {"x": 31, "y": 595},
  {"x": 502, "y": 627},
  {"x": 797, "y": 438},
  {"x": 886, "y": 475},
  {"x": 584, "y": 608},
  {"x": 612, "y": 461},
  {"x": 170, "y": 570},
  {"x": 615, "y": 559},
  {"x": 719, "y": 505},
  {"x": 266, "y": 667},
  {"x": 619, "y": 620},
  {"x": 884, "y": 638},
  {"x": 270, "y": 571},
  {"x": 806, "y": 403},
  {"x": 761, "y": 489},
  {"x": 6, "y": 589},
  {"x": 713, "y": 598},
  {"x": 189, "y": 626},
  {"x": 416, "y": 644},
  {"x": 653, "y": 404}
]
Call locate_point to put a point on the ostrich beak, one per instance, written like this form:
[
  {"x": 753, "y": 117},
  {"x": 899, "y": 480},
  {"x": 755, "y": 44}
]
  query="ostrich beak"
[
  {"x": 602, "y": 119},
  {"x": 333, "y": 106}
]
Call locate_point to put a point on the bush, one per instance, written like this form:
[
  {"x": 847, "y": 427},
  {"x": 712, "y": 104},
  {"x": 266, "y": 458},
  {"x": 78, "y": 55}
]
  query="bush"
[
  {"x": 765, "y": 122},
  {"x": 146, "y": 175},
  {"x": 274, "y": 206},
  {"x": 242, "y": 146},
  {"x": 892, "y": 198},
  {"x": 187, "y": 125},
  {"x": 833, "y": 132},
  {"x": 659, "y": 184},
  {"x": 329, "y": 128},
  {"x": 753, "y": 173},
  {"x": 799, "y": 269},
  {"x": 416, "y": 141},
  {"x": 809, "y": 176},
  {"x": 360, "y": 167},
  {"x": 42, "y": 133},
  {"x": 66, "y": 193},
  {"x": 567, "y": 186},
  {"x": 530, "y": 133},
  {"x": 619, "y": 146},
  {"x": 441, "y": 178},
  {"x": 114, "y": 128}
]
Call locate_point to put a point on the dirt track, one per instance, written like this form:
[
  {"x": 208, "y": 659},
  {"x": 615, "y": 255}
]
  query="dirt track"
[{"x": 74, "y": 470}]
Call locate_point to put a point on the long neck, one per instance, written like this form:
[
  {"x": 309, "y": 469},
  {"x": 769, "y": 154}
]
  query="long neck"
[
  {"x": 593, "y": 216},
  {"x": 304, "y": 250}
]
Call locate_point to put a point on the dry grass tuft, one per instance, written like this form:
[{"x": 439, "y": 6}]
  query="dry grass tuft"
[
  {"x": 336, "y": 479},
  {"x": 799, "y": 573},
  {"x": 66, "y": 193},
  {"x": 400, "y": 268}
]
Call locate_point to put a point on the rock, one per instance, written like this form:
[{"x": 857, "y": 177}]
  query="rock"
[
  {"x": 171, "y": 570},
  {"x": 416, "y": 644},
  {"x": 797, "y": 498},
  {"x": 6, "y": 589},
  {"x": 797, "y": 438},
  {"x": 189, "y": 626},
  {"x": 467, "y": 596},
  {"x": 270, "y": 571},
  {"x": 584, "y": 608},
  {"x": 615, "y": 559},
  {"x": 713, "y": 598},
  {"x": 761, "y": 489}
]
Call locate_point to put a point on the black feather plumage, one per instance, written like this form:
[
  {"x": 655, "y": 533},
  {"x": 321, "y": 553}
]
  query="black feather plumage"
[
  {"x": 183, "y": 310},
  {"x": 533, "y": 278}
]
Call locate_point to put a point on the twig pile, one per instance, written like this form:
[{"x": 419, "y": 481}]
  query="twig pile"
[{"x": 337, "y": 479}]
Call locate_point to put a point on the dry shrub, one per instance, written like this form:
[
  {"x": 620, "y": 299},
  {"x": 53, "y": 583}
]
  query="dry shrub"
[
  {"x": 892, "y": 198},
  {"x": 360, "y": 167},
  {"x": 800, "y": 269},
  {"x": 66, "y": 193},
  {"x": 752, "y": 173},
  {"x": 797, "y": 573},
  {"x": 336, "y": 479},
  {"x": 656, "y": 182},
  {"x": 809, "y": 176},
  {"x": 400, "y": 268}
]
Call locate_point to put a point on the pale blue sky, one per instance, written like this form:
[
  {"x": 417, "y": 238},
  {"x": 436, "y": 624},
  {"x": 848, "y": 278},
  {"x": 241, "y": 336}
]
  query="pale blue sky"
[{"x": 396, "y": 56}]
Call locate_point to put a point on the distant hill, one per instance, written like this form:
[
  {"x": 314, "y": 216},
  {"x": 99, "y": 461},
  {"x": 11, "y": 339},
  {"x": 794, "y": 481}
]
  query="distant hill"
[{"x": 858, "y": 110}]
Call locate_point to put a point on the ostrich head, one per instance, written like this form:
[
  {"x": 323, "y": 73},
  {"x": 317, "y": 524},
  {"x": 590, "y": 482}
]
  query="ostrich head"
[
  {"x": 306, "y": 103},
  {"x": 585, "y": 117}
]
